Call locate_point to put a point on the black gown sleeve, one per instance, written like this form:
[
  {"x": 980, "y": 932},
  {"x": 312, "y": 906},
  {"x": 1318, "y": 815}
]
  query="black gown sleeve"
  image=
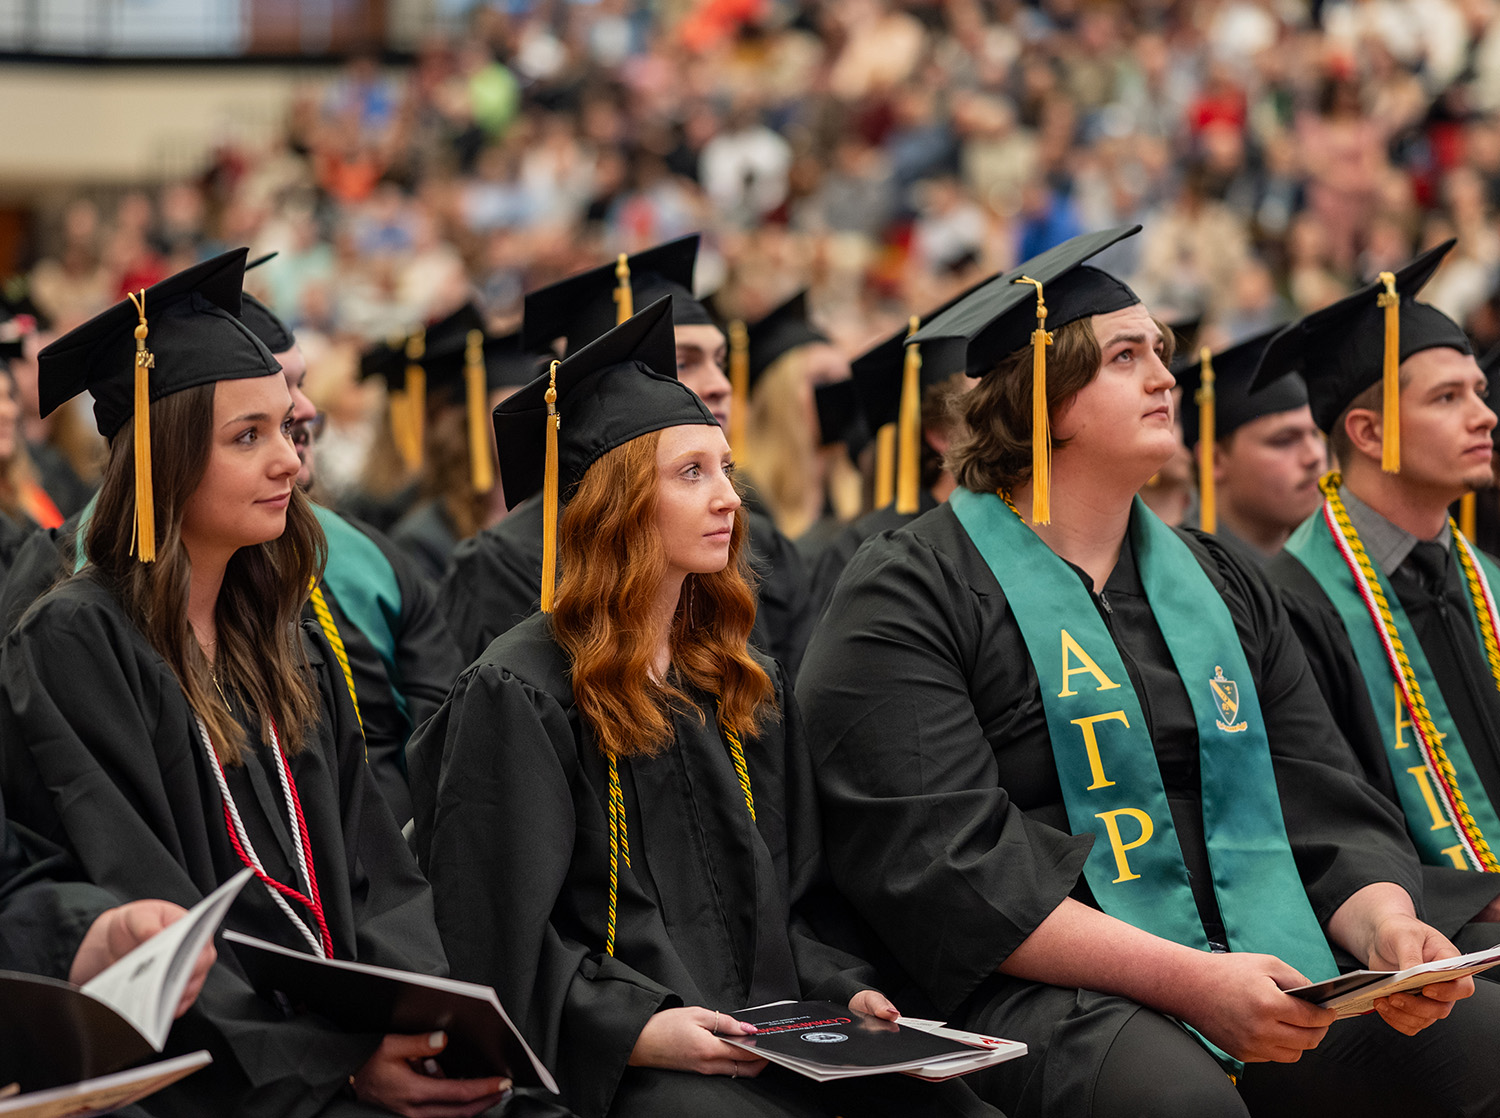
[
  {"x": 494, "y": 580},
  {"x": 44, "y": 559}
]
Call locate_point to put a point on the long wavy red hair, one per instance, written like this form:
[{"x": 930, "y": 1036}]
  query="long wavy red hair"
[{"x": 611, "y": 561}]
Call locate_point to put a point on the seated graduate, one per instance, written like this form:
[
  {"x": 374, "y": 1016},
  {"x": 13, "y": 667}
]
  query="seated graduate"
[
  {"x": 167, "y": 720},
  {"x": 497, "y": 575},
  {"x": 1077, "y": 776},
  {"x": 614, "y": 806},
  {"x": 1259, "y": 454},
  {"x": 1381, "y": 568}
]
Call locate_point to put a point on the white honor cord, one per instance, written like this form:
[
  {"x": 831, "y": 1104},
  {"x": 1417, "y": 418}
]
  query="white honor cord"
[{"x": 239, "y": 830}]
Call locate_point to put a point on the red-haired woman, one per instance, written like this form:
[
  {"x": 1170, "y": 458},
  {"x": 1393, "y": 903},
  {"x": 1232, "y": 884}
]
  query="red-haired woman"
[{"x": 614, "y": 806}]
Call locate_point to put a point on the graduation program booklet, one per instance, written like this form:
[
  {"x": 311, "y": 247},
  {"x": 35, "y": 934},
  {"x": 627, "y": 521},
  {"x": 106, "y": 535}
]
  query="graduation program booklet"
[
  {"x": 57, "y": 1039},
  {"x": 1354, "y": 993},
  {"x": 104, "y": 1094},
  {"x": 365, "y": 998},
  {"x": 826, "y": 1041}
]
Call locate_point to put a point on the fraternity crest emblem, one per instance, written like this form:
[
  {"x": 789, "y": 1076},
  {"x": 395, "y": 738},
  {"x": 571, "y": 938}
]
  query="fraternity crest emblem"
[{"x": 1227, "y": 699}]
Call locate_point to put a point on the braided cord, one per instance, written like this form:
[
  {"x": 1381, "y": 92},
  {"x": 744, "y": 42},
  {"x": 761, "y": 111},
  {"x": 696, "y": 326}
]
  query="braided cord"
[
  {"x": 1445, "y": 777},
  {"x": 1484, "y": 602},
  {"x": 331, "y": 631},
  {"x": 737, "y": 751}
]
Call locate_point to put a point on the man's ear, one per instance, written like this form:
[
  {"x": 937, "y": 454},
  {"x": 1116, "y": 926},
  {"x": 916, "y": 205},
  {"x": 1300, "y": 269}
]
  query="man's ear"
[{"x": 1363, "y": 426}]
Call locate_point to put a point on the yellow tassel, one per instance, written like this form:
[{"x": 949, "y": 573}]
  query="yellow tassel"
[
  {"x": 739, "y": 385},
  {"x": 1467, "y": 515},
  {"x": 1041, "y": 424},
  {"x": 1208, "y": 518},
  {"x": 416, "y": 398},
  {"x": 885, "y": 465},
  {"x": 1390, "y": 430},
  {"x": 909, "y": 428},
  {"x": 481, "y": 464},
  {"x": 549, "y": 495},
  {"x": 143, "y": 539},
  {"x": 624, "y": 298}
]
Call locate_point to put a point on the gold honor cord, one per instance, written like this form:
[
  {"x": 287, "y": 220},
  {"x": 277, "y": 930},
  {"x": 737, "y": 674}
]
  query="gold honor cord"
[
  {"x": 1041, "y": 426},
  {"x": 481, "y": 464},
  {"x": 143, "y": 534},
  {"x": 739, "y": 386},
  {"x": 340, "y": 653},
  {"x": 624, "y": 297},
  {"x": 1484, "y": 603},
  {"x": 1441, "y": 767},
  {"x": 549, "y": 495},
  {"x": 619, "y": 839},
  {"x": 909, "y": 428},
  {"x": 1208, "y": 518},
  {"x": 1390, "y": 428}
]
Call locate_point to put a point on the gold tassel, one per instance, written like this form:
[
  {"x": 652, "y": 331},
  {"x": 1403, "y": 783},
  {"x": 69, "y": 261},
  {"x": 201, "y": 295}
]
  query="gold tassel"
[
  {"x": 143, "y": 536},
  {"x": 909, "y": 429},
  {"x": 416, "y": 398},
  {"x": 549, "y": 495},
  {"x": 624, "y": 298},
  {"x": 1390, "y": 430},
  {"x": 1467, "y": 515},
  {"x": 481, "y": 460},
  {"x": 1208, "y": 518},
  {"x": 1041, "y": 426},
  {"x": 885, "y": 465},
  {"x": 739, "y": 385}
]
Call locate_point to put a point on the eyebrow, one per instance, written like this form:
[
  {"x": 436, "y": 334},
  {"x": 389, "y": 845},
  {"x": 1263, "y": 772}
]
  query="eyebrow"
[
  {"x": 256, "y": 417},
  {"x": 1136, "y": 339}
]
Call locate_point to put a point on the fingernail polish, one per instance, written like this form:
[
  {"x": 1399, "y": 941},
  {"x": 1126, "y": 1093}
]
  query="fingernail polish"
[{"x": 437, "y": 1040}]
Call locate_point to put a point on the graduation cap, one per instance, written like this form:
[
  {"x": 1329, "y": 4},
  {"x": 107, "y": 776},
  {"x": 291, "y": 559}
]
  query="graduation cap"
[
  {"x": 1344, "y": 348},
  {"x": 586, "y": 306},
  {"x": 1219, "y": 385},
  {"x": 178, "y": 334},
  {"x": 880, "y": 377},
  {"x": 1003, "y": 316},
  {"x": 264, "y": 323},
  {"x": 755, "y": 347},
  {"x": 839, "y": 417},
  {"x": 618, "y": 387}
]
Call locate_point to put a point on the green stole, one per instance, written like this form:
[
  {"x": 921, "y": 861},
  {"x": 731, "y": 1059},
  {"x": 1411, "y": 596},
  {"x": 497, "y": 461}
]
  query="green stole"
[
  {"x": 363, "y": 582},
  {"x": 1429, "y": 816},
  {"x": 1106, "y": 764}
]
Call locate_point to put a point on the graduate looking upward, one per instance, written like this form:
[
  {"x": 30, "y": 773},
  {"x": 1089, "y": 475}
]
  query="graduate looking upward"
[
  {"x": 1078, "y": 779},
  {"x": 168, "y": 720},
  {"x": 614, "y": 805},
  {"x": 1428, "y": 736}
]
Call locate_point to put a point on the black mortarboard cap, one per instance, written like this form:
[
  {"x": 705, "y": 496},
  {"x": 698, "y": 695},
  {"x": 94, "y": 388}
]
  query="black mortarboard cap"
[
  {"x": 1340, "y": 350},
  {"x": 1234, "y": 404},
  {"x": 506, "y": 364},
  {"x": 997, "y": 319},
  {"x": 839, "y": 416},
  {"x": 616, "y": 388},
  {"x": 779, "y": 332},
  {"x": 582, "y": 308},
  {"x": 194, "y": 334},
  {"x": 265, "y": 325}
]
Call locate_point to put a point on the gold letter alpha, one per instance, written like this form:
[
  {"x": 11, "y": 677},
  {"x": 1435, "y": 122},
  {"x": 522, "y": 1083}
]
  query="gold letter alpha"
[{"x": 1070, "y": 647}]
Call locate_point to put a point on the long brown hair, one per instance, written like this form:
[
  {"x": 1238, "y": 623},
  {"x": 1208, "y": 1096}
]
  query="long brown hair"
[
  {"x": 612, "y": 562},
  {"x": 259, "y": 653}
]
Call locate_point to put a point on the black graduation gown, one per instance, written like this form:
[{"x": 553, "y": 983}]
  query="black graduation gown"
[
  {"x": 14, "y": 532},
  {"x": 945, "y": 820},
  {"x": 428, "y": 537},
  {"x": 513, "y": 830},
  {"x": 43, "y": 560},
  {"x": 103, "y": 759},
  {"x": 68, "y": 491},
  {"x": 496, "y": 581},
  {"x": 1440, "y": 618},
  {"x": 835, "y": 557}
]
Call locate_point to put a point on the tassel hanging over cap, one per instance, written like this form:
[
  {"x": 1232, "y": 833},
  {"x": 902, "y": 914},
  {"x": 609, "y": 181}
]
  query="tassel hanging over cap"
[
  {"x": 739, "y": 385},
  {"x": 909, "y": 429},
  {"x": 1041, "y": 425},
  {"x": 550, "y": 495},
  {"x": 1208, "y": 518},
  {"x": 624, "y": 298},
  {"x": 1390, "y": 430},
  {"x": 481, "y": 457},
  {"x": 885, "y": 465},
  {"x": 143, "y": 542},
  {"x": 1467, "y": 514}
]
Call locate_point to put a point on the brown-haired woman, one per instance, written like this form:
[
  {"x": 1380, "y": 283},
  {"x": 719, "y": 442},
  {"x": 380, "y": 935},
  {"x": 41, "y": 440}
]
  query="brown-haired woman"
[
  {"x": 614, "y": 806},
  {"x": 168, "y": 721}
]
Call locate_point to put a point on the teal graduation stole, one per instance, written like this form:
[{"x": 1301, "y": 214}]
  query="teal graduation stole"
[
  {"x": 1106, "y": 765},
  {"x": 364, "y": 584},
  {"x": 80, "y": 559},
  {"x": 1448, "y": 814}
]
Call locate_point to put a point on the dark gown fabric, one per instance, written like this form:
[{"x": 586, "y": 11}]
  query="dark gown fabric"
[
  {"x": 102, "y": 759},
  {"x": 496, "y": 582},
  {"x": 428, "y": 537},
  {"x": 14, "y": 532},
  {"x": 68, "y": 491},
  {"x": 1440, "y": 614},
  {"x": 832, "y": 560},
  {"x": 41, "y": 561},
  {"x": 715, "y": 909},
  {"x": 946, "y": 823}
]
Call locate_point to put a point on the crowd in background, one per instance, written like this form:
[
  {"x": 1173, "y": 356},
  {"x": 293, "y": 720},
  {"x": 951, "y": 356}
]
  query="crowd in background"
[{"x": 885, "y": 154}]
